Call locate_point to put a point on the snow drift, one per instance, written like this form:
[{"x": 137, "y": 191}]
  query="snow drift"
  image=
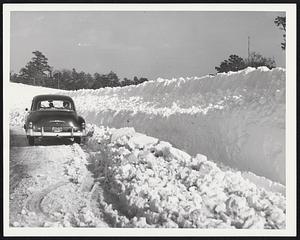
[{"x": 235, "y": 118}]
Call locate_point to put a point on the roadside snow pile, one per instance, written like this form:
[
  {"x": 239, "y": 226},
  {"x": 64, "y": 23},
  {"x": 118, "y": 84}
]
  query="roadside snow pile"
[
  {"x": 157, "y": 185},
  {"x": 75, "y": 167},
  {"x": 237, "y": 118}
]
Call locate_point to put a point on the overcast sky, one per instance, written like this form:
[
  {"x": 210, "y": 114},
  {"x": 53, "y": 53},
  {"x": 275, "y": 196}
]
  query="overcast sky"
[{"x": 143, "y": 44}]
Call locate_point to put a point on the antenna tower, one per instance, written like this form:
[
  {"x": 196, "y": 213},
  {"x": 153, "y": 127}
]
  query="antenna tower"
[{"x": 248, "y": 47}]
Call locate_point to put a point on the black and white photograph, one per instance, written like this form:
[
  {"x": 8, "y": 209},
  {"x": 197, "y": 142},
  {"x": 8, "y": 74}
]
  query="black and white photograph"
[{"x": 149, "y": 119}]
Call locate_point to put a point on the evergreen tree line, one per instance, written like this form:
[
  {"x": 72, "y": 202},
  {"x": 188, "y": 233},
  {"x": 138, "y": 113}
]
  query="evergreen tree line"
[
  {"x": 37, "y": 72},
  {"x": 236, "y": 63}
]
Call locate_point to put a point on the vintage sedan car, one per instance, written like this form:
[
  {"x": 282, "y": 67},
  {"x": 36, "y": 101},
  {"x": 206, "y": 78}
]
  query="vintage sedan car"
[{"x": 53, "y": 116}]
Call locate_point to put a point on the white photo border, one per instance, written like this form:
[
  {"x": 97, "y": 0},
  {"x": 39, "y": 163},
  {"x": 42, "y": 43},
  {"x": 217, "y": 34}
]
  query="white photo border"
[{"x": 291, "y": 31}]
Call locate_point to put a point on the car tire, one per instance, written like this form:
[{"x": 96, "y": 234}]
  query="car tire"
[
  {"x": 31, "y": 141},
  {"x": 77, "y": 140}
]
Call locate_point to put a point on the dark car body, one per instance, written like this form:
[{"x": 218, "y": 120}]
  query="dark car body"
[{"x": 46, "y": 120}]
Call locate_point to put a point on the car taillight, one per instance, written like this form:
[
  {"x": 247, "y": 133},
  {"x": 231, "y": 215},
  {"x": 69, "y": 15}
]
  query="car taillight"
[
  {"x": 83, "y": 125},
  {"x": 30, "y": 125}
]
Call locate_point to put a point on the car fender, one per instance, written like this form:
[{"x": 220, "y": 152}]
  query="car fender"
[{"x": 81, "y": 120}]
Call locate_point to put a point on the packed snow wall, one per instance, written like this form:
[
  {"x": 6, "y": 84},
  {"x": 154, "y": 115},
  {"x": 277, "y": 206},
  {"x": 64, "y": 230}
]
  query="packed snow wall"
[
  {"x": 235, "y": 118},
  {"x": 19, "y": 96}
]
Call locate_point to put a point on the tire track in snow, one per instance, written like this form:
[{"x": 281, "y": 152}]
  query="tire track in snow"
[
  {"x": 33, "y": 203},
  {"x": 49, "y": 184}
]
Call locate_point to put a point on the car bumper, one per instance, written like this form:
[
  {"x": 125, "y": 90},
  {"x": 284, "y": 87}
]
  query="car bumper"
[{"x": 71, "y": 134}]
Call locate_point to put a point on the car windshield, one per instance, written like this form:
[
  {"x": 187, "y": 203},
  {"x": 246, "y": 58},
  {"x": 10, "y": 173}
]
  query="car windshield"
[{"x": 55, "y": 105}]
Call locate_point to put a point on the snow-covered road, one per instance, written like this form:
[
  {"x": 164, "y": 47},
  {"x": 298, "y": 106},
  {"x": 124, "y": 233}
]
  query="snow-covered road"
[{"x": 50, "y": 185}]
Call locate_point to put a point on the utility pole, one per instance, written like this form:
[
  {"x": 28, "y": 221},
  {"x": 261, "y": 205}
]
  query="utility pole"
[
  {"x": 248, "y": 48},
  {"x": 58, "y": 79}
]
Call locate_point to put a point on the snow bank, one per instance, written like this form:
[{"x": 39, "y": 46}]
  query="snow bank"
[
  {"x": 157, "y": 185},
  {"x": 236, "y": 118},
  {"x": 20, "y": 97}
]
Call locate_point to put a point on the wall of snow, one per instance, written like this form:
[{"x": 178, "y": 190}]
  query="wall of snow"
[
  {"x": 236, "y": 118},
  {"x": 19, "y": 97}
]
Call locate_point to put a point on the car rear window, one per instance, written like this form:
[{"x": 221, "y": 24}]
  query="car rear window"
[{"x": 55, "y": 105}]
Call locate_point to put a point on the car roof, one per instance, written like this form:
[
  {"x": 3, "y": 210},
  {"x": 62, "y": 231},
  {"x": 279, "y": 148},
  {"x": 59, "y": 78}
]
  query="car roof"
[{"x": 51, "y": 97}]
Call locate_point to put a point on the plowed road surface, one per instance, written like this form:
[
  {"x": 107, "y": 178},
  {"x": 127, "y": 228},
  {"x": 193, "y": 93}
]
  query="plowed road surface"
[{"x": 50, "y": 184}]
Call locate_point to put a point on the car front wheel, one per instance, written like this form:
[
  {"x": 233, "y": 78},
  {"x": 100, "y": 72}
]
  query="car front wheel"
[{"x": 31, "y": 141}]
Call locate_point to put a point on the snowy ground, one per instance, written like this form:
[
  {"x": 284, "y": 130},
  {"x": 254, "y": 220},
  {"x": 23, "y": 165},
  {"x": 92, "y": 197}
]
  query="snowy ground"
[
  {"x": 50, "y": 185},
  {"x": 121, "y": 178}
]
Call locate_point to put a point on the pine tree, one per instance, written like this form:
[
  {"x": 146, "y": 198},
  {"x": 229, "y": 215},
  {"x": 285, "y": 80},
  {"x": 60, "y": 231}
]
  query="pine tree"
[
  {"x": 280, "y": 22},
  {"x": 234, "y": 63},
  {"x": 37, "y": 70},
  {"x": 113, "y": 80}
]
